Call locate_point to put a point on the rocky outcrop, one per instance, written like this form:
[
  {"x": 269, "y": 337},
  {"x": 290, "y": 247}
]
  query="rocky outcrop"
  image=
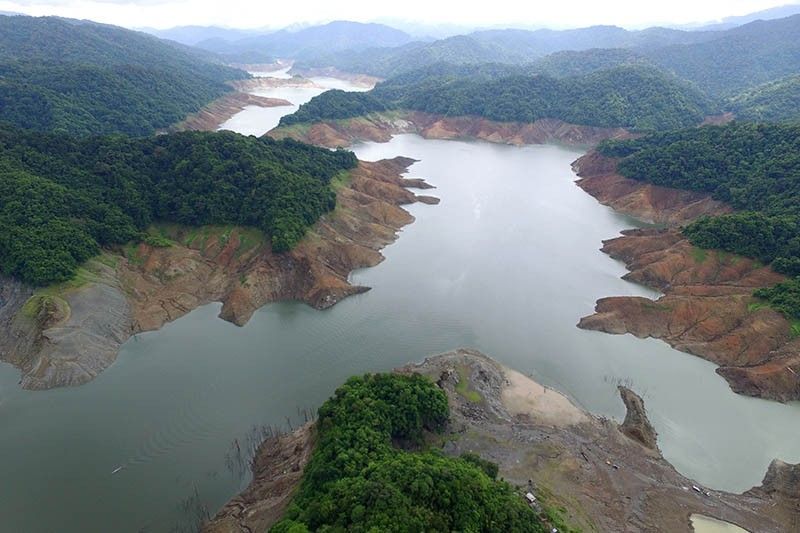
[
  {"x": 636, "y": 425},
  {"x": 277, "y": 470},
  {"x": 782, "y": 479},
  {"x": 380, "y": 127},
  {"x": 707, "y": 308},
  {"x": 542, "y": 443},
  {"x": 67, "y": 335},
  {"x": 212, "y": 116}
]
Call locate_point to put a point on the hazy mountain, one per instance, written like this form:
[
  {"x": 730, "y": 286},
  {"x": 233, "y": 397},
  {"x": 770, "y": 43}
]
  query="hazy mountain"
[
  {"x": 767, "y": 14},
  {"x": 741, "y": 57},
  {"x": 504, "y": 46},
  {"x": 191, "y": 35},
  {"x": 329, "y": 38}
]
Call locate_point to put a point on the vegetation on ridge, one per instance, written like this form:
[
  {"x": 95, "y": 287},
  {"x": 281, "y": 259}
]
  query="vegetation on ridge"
[
  {"x": 753, "y": 167},
  {"x": 63, "y": 198},
  {"x": 360, "y": 479},
  {"x": 629, "y": 96}
]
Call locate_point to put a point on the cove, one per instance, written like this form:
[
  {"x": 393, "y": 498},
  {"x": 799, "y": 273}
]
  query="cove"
[{"x": 507, "y": 264}]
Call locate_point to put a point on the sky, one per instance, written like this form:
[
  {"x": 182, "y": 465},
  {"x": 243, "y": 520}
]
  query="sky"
[{"x": 280, "y": 13}]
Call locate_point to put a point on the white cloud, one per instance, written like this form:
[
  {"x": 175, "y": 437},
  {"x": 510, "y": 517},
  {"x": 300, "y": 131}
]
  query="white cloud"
[{"x": 254, "y": 13}]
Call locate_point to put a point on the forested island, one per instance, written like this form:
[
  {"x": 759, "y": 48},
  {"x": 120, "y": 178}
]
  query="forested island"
[
  {"x": 630, "y": 96},
  {"x": 64, "y": 198},
  {"x": 753, "y": 167}
]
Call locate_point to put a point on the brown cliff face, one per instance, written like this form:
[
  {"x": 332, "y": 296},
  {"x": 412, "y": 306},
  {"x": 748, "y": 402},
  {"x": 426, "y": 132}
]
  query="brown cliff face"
[
  {"x": 67, "y": 335},
  {"x": 380, "y": 127},
  {"x": 707, "y": 308}
]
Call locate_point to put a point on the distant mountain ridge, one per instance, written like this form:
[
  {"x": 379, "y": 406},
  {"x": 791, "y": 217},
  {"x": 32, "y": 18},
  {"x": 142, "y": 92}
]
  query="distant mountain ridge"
[{"x": 333, "y": 37}]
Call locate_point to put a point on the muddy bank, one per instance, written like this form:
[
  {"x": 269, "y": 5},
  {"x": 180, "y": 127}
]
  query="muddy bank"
[
  {"x": 212, "y": 116},
  {"x": 542, "y": 442},
  {"x": 707, "y": 308},
  {"x": 66, "y": 335},
  {"x": 380, "y": 127}
]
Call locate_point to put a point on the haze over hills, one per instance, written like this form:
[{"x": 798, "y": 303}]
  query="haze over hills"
[
  {"x": 333, "y": 37},
  {"x": 766, "y": 14}
]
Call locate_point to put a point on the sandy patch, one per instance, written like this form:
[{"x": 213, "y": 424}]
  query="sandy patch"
[{"x": 523, "y": 396}]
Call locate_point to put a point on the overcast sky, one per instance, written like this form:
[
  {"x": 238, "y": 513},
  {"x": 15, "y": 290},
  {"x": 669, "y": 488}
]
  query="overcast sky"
[{"x": 279, "y": 13}]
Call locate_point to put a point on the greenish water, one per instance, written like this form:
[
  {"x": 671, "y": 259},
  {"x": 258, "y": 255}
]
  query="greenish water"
[{"x": 507, "y": 264}]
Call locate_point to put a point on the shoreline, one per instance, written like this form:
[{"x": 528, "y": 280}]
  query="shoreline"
[
  {"x": 707, "y": 308},
  {"x": 66, "y": 335},
  {"x": 756, "y": 352},
  {"x": 380, "y": 127},
  {"x": 605, "y": 474},
  {"x": 216, "y": 113}
]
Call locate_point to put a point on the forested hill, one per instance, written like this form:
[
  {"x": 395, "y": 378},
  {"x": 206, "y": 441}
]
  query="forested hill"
[
  {"x": 753, "y": 167},
  {"x": 630, "y": 96},
  {"x": 743, "y": 57},
  {"x": 775, "y": 101},
  {"x": 86, "y": 78},
  {"x": 62, "y": 198}
]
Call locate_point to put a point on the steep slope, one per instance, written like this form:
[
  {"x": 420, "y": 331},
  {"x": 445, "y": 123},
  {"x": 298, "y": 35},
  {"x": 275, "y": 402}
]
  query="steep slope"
[
  {"x": 775, "y": 101},
  {"x": 86, "y": 78}
]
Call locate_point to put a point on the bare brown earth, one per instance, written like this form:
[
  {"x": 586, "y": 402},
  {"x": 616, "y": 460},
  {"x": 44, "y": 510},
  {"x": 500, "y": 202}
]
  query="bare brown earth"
[
  {"x": 380, "y": 127},
  {"x": 220, "y": 110},
  {"x": 707, "y": 308},
  {"x": 542, "y": 442},
  {"x": 67, "y": 335},
  {"x": 277, "y": 470}
]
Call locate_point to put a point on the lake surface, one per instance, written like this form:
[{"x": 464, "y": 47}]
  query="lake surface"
[
  {"x": 255, "y": 120},
  {"x": 507, "y": 264}
]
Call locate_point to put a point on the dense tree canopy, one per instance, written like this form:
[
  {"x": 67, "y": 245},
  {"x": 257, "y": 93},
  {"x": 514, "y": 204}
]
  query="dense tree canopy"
[
  {"x": 631, "y": 96},
  {"x": 776, "y": 101},
  {"x": 62, "y": 198},
  {"x": 358, "y": 480},
  {"x": 86, "y": 78},
  {"x": 753, "y": 167}
]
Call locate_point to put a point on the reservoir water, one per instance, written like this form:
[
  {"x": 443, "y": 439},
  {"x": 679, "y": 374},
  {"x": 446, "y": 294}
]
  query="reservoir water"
[{"x": 507, "y": 264}]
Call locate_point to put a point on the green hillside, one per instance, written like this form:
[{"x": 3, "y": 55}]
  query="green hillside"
[
  {"x": 63, "y": 198},
  {"x": 85, "y": 78},
  {"x": 635, "y": 97}
]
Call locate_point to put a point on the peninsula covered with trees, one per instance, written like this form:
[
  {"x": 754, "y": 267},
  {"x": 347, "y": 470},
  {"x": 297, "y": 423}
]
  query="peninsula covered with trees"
[
  {"x": 63, "y": 198},
  {"x": 359, "y": 479},
  {"x": 630, "y": 96}
]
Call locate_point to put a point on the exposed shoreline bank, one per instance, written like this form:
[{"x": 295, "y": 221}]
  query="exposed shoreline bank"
[
  {"x": 604, "y": 474},
  {"x": 67, "y": 335},
  {"x": 707, "y": 309}
]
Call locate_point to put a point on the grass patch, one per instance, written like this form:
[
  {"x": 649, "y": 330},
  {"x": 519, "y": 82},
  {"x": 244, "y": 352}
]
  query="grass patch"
[
  {"x": 462, "y": 387},
  {"x": 699, "y": 254},
  {"x": 340, "y": 181}
]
